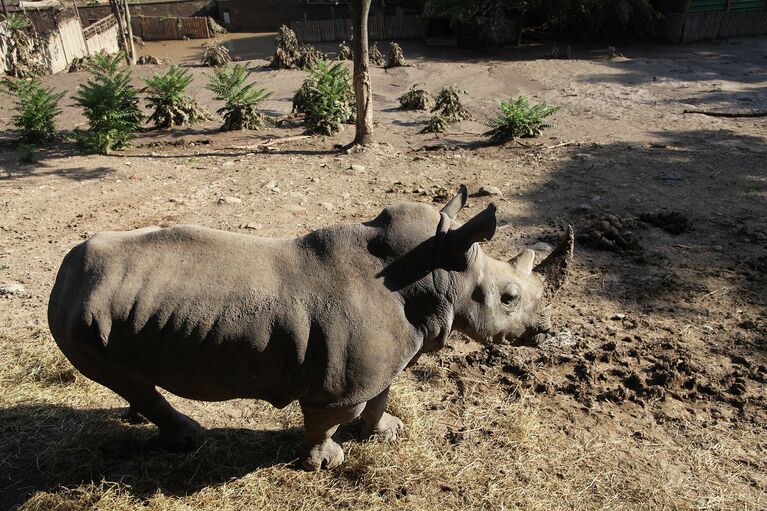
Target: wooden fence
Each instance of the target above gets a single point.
(701, 26)
(161, 28)
(380, 28)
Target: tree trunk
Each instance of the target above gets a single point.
(129, 35)
(364, 99)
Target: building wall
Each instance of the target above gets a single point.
(172, 8)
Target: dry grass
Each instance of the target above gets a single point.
(469, 444)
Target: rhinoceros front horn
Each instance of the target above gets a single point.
(554, 269)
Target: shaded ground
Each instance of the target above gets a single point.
(650, 396)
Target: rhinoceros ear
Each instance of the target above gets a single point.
(523, 262)
(457, 203)
(554, 269)
(479, 228)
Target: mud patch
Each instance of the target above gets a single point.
(672, 222)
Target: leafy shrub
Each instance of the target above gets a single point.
(216, 54)
(344, 52)
(110, 104)
(416, 99)
(241, 101)
(375, 56)
(326, 98)
(286, 51)
(23, 48)
(309, 56)
(436, 124)
(449, 110)
(519, 119)
(36, 109)
(167, 96)
(448, 104)
(396, 56)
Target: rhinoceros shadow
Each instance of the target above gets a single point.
(50, 446)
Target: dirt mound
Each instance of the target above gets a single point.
(609, 232)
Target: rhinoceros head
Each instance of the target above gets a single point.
(497, 300)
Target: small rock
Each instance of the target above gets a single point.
(357, 168)
(328, 206)
(583, 156)
(488, 190)
(541, 246)
(228, 163)
(176, 199)
(671, 176)
(296, 210)
(583, 208)
(618, 317)
(596, 198)
(12, 289)
(229, 200)
(272, 186)
(251, 225)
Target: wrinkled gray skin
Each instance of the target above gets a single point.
(328, 319)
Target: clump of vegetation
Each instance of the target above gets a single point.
(216, 54)
(286, 51)
(448, 104)
(27, 153)
(416, 98)
(241, 101)
(166, 95)
(590, 18)
(436, 124)
(396, 56)
(36, 109)
(449, 110)
(23, 48)
(375, 56)
(345, 52)
(518, 119)
(326, 99)
(309, 56)
(110, 104)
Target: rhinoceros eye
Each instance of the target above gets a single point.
(510, 297)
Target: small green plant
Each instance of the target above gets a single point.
(517, 119)
(216, 54)
(416, 99)
(36, 109)
(27, 153)
(166, 95)
(110, 104)
(326, 98)
(240, 110)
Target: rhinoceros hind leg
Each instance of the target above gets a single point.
(318, 450)
(377, 423)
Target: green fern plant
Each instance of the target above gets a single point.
(166, 96)
(326, 99)
(36, 109)
(241, 101)
(518, 119)
(110, 104)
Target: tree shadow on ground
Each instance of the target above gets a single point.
(49, 446)
(716, 181)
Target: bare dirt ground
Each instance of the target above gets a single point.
(651, 395)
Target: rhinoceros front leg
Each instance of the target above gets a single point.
(318, 450)
(376, 422)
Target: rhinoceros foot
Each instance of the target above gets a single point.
(132, 416)
(327, 454)
(387, 428)
(186, 435)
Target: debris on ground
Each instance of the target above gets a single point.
(375, 56)
(396, 56)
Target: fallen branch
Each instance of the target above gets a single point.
(273, 142)
(726, 114)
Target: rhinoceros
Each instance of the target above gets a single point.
(328, 319)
